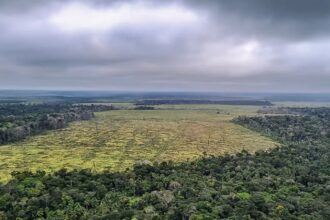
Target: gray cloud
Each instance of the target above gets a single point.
(245, 45)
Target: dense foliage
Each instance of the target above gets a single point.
(290, 182)
(302, 124)
(143, 107)
(18, 121)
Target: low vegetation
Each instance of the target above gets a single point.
(116, 140)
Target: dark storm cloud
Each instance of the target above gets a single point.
(245, 45)
(282, 19)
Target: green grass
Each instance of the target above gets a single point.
(116, 140)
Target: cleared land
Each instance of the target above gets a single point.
(115, 140)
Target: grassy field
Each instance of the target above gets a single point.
(116, 140)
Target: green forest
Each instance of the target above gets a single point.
(288, 182)
(20, 121)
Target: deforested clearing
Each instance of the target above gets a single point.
(115, 140)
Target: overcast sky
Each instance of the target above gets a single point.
(219, 45)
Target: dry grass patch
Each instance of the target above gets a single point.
(115, 140)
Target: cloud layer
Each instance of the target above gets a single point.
(219, 45)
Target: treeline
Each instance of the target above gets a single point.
(188, 101)
(8, 101)
(291, 182)
(320, 111)
(143, 107)
(20, 121)
(306, 124)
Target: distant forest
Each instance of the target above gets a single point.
(18, 121)
(188, 101)
(299, 124)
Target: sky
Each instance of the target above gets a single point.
(209, 45)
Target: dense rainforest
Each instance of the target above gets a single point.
(296, 125)
(18, 121)
(288, 182)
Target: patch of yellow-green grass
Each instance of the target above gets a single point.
(116, 140)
